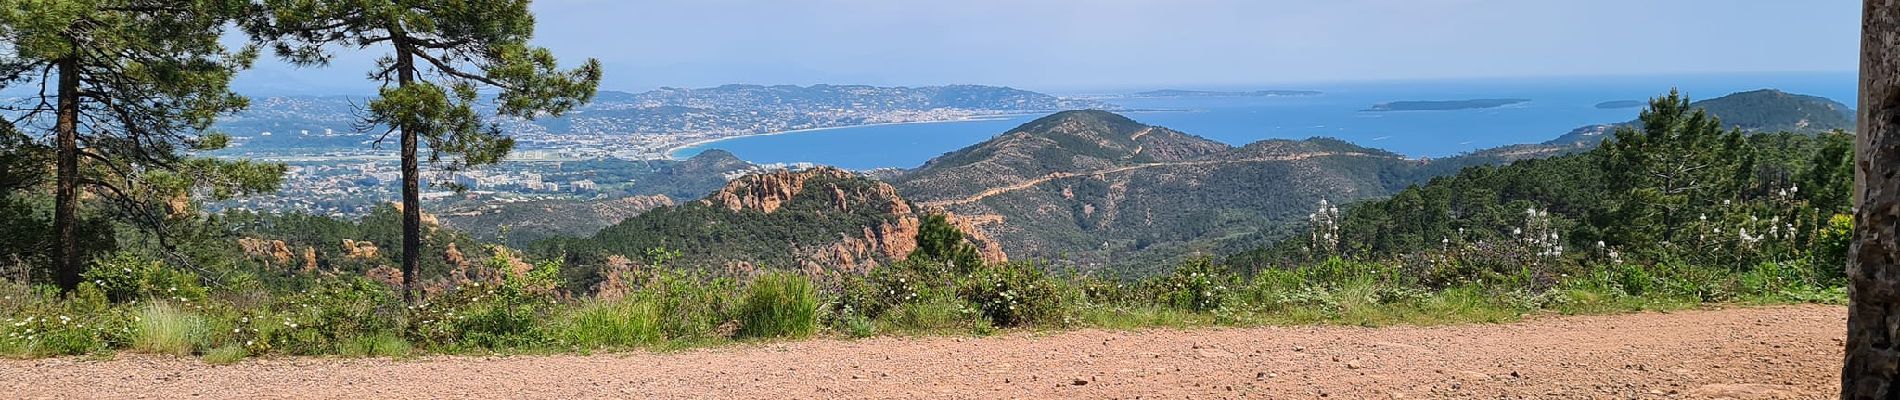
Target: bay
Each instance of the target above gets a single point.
(1557, 105)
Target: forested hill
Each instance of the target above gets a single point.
(820, 219)
(1096, 189)
(1765, 110)
(1696, 192)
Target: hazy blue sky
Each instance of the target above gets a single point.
(1079, 44)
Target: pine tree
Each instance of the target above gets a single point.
(124, 87)
(1678, 160)
(938, 240)
(443, 53)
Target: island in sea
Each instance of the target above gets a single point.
(1212, 93)
(1443, 105)
(1616, 104)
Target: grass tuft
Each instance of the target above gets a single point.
(779, 305)
(164, 329)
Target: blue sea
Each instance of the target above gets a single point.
(1556, 106)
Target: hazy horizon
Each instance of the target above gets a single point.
(1061, 47)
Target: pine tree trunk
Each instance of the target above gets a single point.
(411, 181)
(66, 260)
(1873, 317)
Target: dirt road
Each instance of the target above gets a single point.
(1743, 353)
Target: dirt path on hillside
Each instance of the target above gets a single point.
(1064, 175)
(1743, 353)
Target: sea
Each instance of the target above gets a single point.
(1556, 105)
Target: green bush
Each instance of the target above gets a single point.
(779, 305)
(1014, 294)
(39, 322)
(125, 276)
(892, 286)
(1196, 285)
(491, 316)
(323, 318)
(690, 306)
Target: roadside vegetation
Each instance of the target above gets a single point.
(1671, 213)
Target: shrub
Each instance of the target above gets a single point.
(1014, 294)
(1197, 285)
(492, 316)
(330, 314)
(689, 305)
(125, 276)
(1830, 257)
(857, 326)
(40, 323)
(892, 286)
(779, 305)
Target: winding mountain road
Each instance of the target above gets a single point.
(1063, 175)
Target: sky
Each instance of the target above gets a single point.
(1081, 45)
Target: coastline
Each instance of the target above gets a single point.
(672, 153)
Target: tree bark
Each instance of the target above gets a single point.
(411, 181)
(1872, 361)
(66, 257)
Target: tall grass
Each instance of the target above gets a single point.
(619, 324)
(165, 329)
(779, 305)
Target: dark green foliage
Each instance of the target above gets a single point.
(128, 277)
(124, 89)
(939, 241)
(1679, 190)
(328, 316)
(465, 46)
(711, 236)
(1197, 285)
(1015, 294)
(778, 305)
(1679, 163)
(491, 317)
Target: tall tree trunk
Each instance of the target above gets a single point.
(411, 182)
(1873, 331)
(67, 263)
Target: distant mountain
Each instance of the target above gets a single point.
(1210, 93)
(1098, 189)
(677, 115)
(1766, 110)
(1443, 105)
(816, 219)
(1770, 110)
(1615, 104)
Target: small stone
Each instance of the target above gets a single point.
(1079, 382)
(1353, 365)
